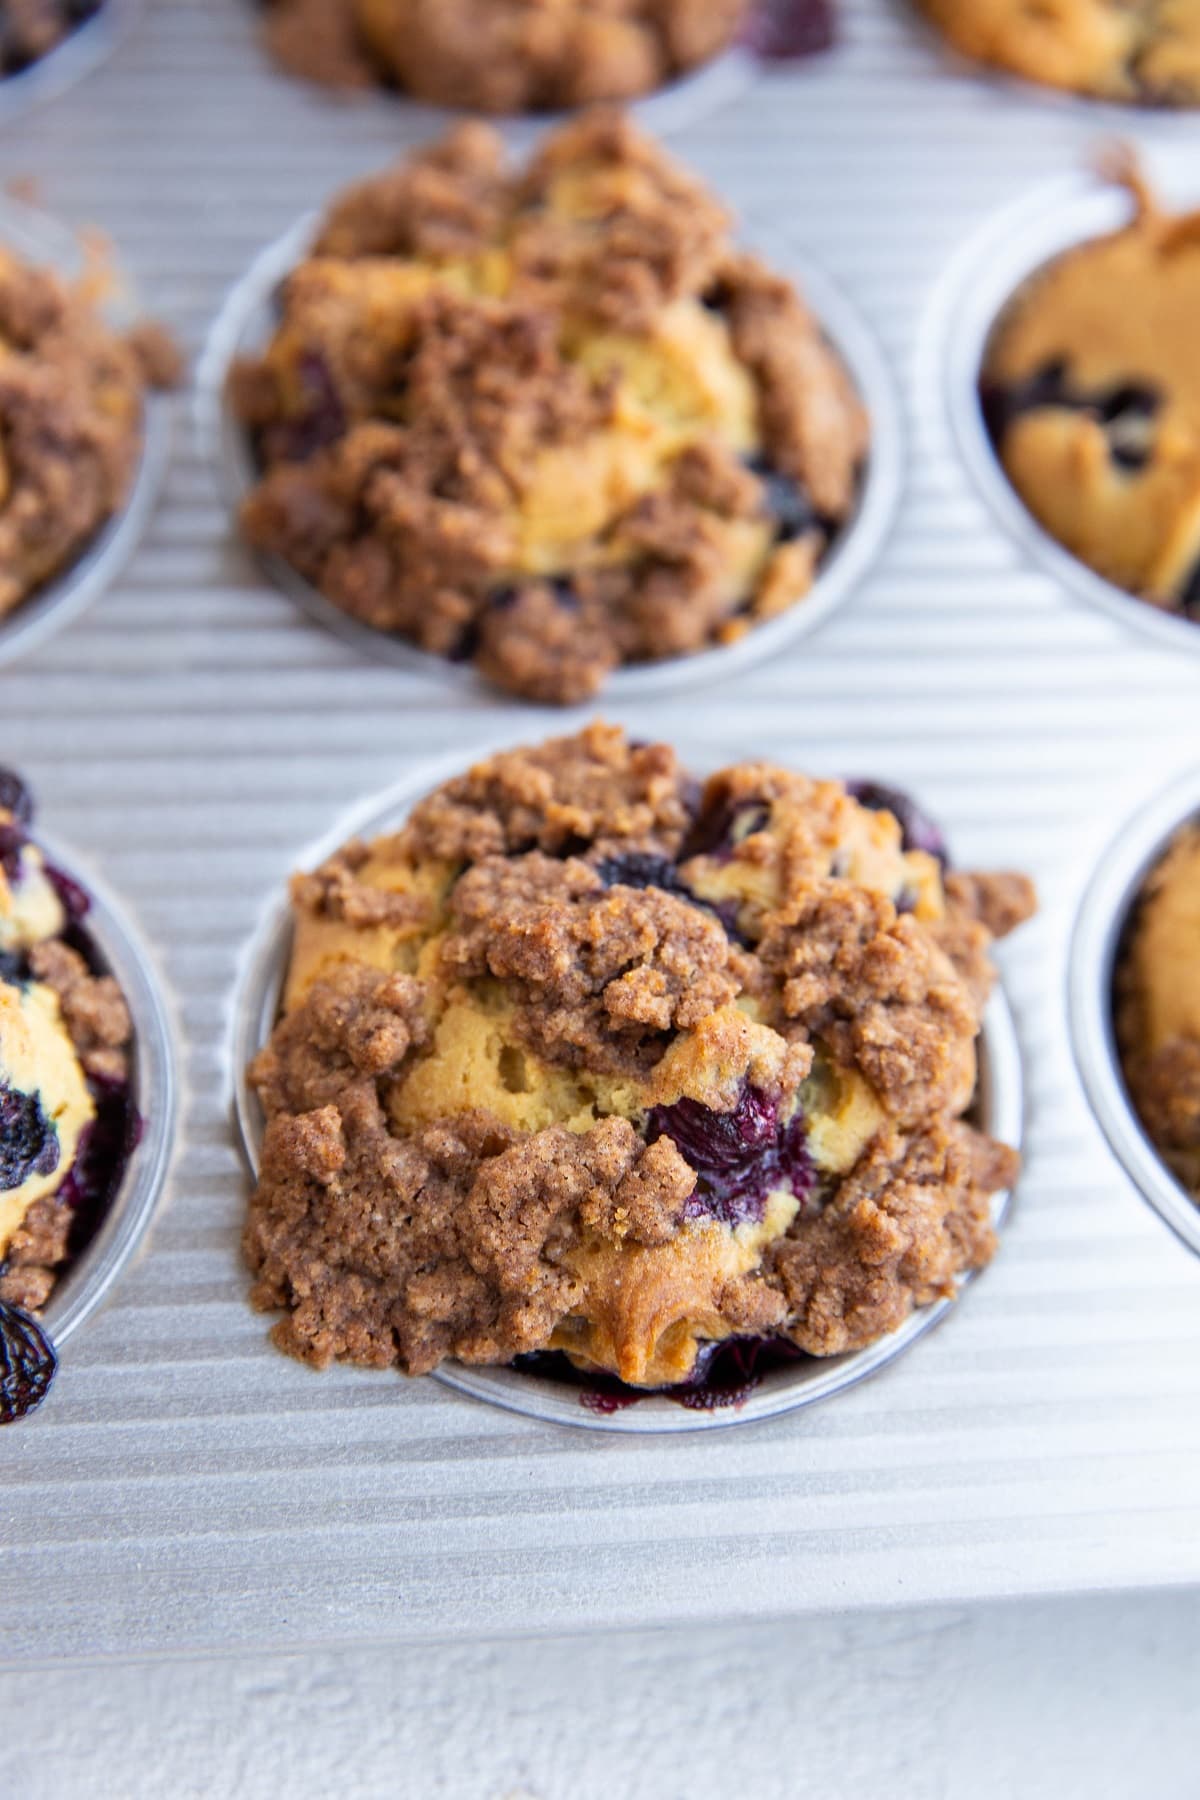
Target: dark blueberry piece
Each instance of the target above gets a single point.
(467, 647)
(321, 420)
(76, 900)
(12, 842)
(1189, 599)
(1126, 411)
(642, 869)
(28, 1139)
(502, 599)
(566, 594)
(739, 1156)
(786, 502)
(718, 832)
(104, 1149)
(1133, 400)
(15, 797)
(13, 968)
(27, 1363)
(782, 29)
(918, 831)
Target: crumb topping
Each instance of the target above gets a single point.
(501, 56)
(549, 420)
(652, 1065)
(71, 404)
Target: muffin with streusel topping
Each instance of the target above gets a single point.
(589, 1057)
(502, 56)
(551, 421)
(72, 399)
(67, 1116)
(1091, 392)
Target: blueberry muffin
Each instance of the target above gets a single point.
(590, 1058)
(1158, 1007)
(30, 29)
(502, 56)
(67, 1116)
(550, 421)
(1091, 392)
(72, 395)
(1146, 51)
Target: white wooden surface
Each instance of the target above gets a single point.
(1058, 1700)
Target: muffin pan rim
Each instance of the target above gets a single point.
(87, 1280)
(84, 50)
(983, 276)
(254, 1006)
(1099, 926)
(222, 444)
(40, 238)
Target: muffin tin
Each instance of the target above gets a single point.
(244, 327)
(187, 1487)
(1099, 930)
(998, 1112)
(42, 240)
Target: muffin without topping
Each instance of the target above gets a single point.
(1158, 1007)
(1091, 391)
(551, 421)
(592, 1059)
(1147, 51)
(502, 56)
(72, 394)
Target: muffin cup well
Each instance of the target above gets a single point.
(40, 239)
(982, 279)
(79, 53)
(1096, 946)
(87, 1279)
(244, 325)
(999, 1111)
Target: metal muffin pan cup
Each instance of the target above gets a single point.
(986, 274)
(1099, 931)
(154, 1085)
(39, 239)
(999, 1110)
(78, 54)
(244, 325)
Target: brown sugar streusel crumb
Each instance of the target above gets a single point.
(502, 56)
(590, 1057)
(551, 421)
(72, 393)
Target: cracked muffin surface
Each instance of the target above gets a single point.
(551, 420)
(1144, 51)
(1158, 1007)
(502, 56)
(1091, 392)
(67, 1119)
(593, 1058)
(72, 394)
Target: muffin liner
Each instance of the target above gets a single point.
(983, 278)
(998, 1110)
(244, 326)
(74, 58)
(87, 1280)
(41, 239)
(1096, 945)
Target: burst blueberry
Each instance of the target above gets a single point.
(740, 1157)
